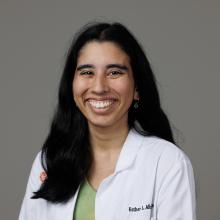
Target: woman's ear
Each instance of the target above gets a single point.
(136, 94)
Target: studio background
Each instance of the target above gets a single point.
(181, 40)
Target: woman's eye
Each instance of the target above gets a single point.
(115, 74)
(88, 73)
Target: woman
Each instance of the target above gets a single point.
(110, 153)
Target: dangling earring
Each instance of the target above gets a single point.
(136, 100)
(136, 104)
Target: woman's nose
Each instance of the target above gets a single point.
(100, 84)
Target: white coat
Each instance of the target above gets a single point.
(153, 180)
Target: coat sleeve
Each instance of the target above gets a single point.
(176, 196)
(30, 207)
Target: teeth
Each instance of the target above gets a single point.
(100, 104)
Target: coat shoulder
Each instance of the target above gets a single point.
(163, 152)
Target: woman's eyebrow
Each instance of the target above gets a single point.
(84, 66)
(113, 65)
(116, 65)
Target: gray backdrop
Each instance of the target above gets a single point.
(181, 39)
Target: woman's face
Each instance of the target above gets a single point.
(103, 84)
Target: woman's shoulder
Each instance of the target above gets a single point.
(162, 152)
(37, 163)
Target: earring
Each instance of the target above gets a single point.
(136, 104)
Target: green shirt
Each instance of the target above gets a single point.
(85, 203)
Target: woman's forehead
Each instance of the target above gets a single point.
(106, 52)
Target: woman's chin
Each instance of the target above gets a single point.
(108, 122)
(100, 124)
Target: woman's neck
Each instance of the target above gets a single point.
(106, 144)
(107, 140)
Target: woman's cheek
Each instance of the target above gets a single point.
(124, 87)
(79, 86)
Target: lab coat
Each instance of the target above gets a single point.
(153, 180)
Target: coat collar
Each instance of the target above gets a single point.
(129, 150)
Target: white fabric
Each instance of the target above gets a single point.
(153, 180)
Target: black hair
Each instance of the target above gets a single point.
(66, 153)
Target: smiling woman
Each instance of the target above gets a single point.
(103, 85)
(110, 152)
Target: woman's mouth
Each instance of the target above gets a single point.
(101, 104)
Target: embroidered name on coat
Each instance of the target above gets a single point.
(143, 207)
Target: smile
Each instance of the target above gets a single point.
(100, 104)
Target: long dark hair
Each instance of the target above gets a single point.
(66, 153)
